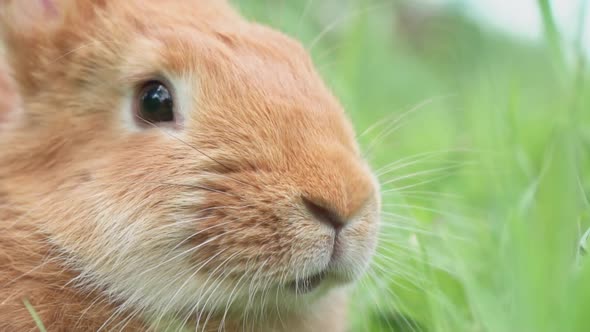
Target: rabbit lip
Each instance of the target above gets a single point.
(307, 284)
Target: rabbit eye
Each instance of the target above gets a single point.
(155, 103)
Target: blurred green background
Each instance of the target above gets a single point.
(481, 141)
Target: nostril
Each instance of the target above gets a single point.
(323, 214)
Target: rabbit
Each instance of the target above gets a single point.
(170, 165)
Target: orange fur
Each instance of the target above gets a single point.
(105, 223)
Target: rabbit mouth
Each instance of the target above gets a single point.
(307, 284)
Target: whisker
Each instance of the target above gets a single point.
(304, 12)
(418, 158)
(392, 127)
(343, 19)
(421, 173)
(219, 280)
(197, 150)
(399, 190)
(188, 279)
(230, 300)
(395, 301)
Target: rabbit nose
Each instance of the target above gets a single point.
(324, 214)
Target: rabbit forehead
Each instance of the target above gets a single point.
(240, 78)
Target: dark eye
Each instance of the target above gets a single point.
(155, 103)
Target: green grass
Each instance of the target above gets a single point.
(34, 315)
(488, 142)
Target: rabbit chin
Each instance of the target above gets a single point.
(204, 295)
(231, 298)
(293, 295)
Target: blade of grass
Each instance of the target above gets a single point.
(551, 31)
(35, 316)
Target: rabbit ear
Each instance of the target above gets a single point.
(23, 22)
(28, 16)
(26, 28)
(8, 96)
